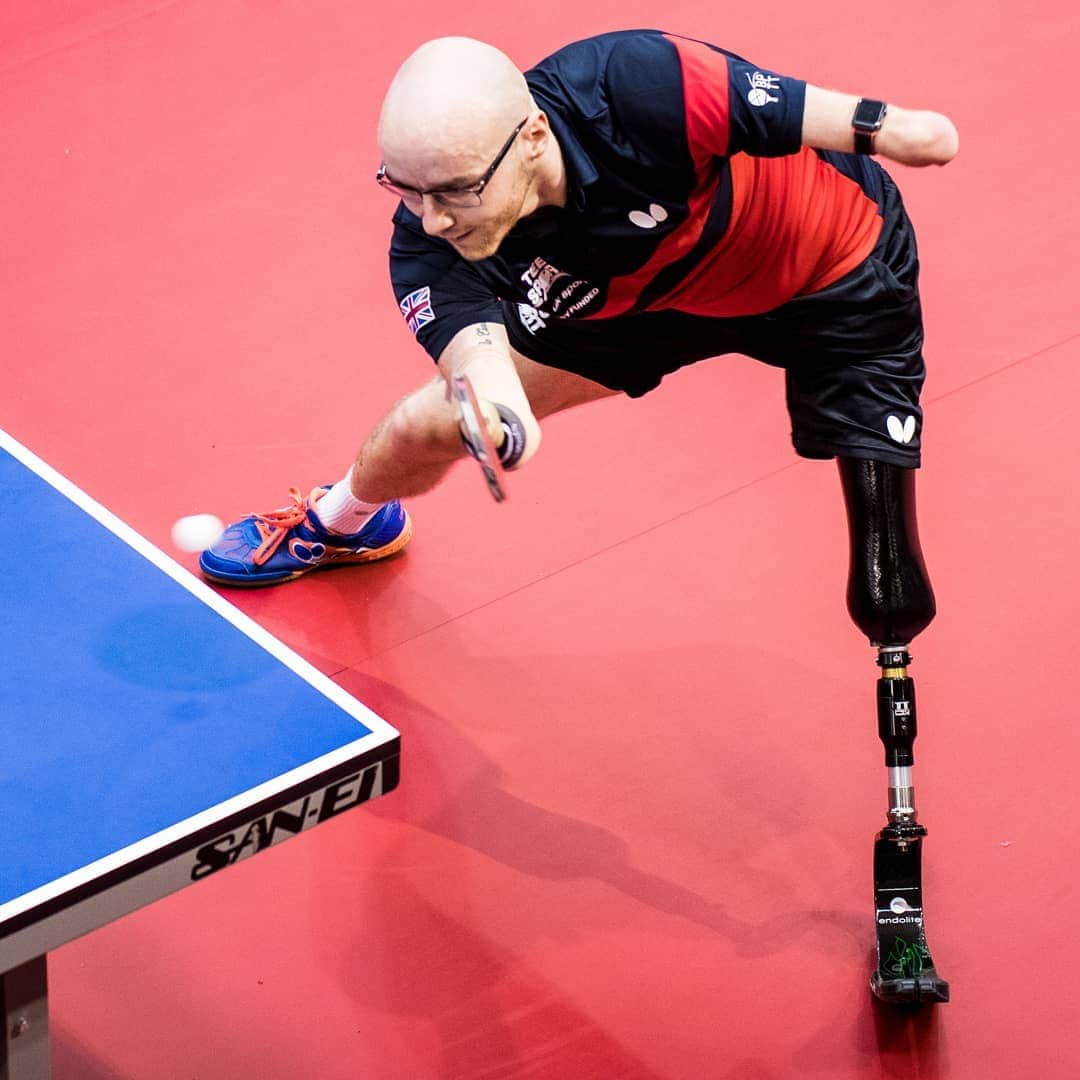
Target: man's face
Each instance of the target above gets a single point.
(475, 231)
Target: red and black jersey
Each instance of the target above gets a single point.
(688, 190)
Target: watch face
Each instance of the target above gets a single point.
(868, 115)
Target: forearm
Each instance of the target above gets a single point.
(482, 352)
(908, 136)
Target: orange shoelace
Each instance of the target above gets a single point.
(274, 524)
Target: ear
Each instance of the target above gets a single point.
(536, 135)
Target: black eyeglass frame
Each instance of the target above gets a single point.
(475, 190)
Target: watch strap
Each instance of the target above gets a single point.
(864, 142)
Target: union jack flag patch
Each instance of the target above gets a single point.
(417, 309)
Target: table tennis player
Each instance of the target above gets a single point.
(634, 203)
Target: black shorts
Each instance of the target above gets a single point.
(852, 352)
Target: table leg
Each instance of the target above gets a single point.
(24, 1005)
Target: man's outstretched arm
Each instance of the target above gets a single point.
(909, 136)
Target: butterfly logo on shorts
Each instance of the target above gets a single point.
(901, 431)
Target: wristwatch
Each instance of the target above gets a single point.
(867, 122)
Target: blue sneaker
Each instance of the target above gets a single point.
(280, 545)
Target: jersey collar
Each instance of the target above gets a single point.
(581, 172)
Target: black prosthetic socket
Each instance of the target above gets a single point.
(889, 595)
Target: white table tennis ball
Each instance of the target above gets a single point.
(197, 532)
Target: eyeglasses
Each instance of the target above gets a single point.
(449, 196)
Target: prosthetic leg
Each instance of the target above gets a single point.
(890, 600)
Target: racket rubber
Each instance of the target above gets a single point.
(478, 436)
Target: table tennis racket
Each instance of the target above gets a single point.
(478, 436)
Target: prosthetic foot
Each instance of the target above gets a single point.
(889, 598)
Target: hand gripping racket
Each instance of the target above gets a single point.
(477, 437)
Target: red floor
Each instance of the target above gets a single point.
(641, 773)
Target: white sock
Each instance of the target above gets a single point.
(340, 511)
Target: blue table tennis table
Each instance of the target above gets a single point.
(150, 736)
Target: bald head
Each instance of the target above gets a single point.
(450, 106)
